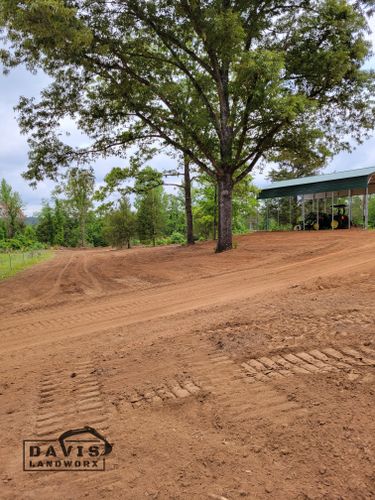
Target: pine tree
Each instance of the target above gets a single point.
(59, 223)
(150, 215)
(11, 209)
(45, 229)
(78, 186)
(120, 225)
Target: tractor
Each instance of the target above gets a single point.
(340, 220)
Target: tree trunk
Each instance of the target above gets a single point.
(225, 188)
(83, 231)
(188, 207)
(215, 212)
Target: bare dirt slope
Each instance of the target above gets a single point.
(246, 374)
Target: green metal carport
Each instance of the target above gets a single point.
(328, 186)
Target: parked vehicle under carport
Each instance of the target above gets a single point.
(339, 221)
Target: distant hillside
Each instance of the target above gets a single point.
(31, 221)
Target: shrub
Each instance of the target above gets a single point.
(21, 242)
(177, 237)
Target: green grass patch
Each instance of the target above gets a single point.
(14, 262)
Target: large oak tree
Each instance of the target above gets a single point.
(228, 83)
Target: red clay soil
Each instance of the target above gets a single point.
(248, 374)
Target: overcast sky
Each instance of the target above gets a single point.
(13, 146)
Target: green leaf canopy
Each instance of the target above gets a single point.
(228, 83)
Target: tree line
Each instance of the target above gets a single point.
(78, 215)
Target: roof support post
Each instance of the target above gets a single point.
(317, 212)
(290, 211)
(366, 208)
(332, 203)
(350, 209)
(303, 212)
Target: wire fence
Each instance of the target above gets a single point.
(14, 261)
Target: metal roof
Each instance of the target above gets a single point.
(336, 181)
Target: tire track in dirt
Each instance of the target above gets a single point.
(206, 373)
(70, 399)
(226, 383)
(169, 391)
(149, 304)
(96, 288)
(244, 392)
(54, 290)
(315, 361)
(241, 401)
(57, 283)
(236, 274)
(176, 298)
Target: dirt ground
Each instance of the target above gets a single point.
(248, 374)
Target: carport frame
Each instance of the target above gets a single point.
(346, 183)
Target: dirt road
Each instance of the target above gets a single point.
(246, 374)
